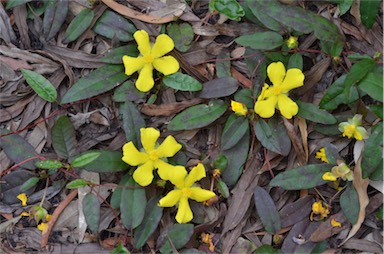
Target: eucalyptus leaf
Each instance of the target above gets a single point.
(40, 85)
(267, 211)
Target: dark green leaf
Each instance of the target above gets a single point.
(91, 210)
(178, 235)
(78, 25)
(377, 110)
(120, 249)
(40, 85)
(152, 217)
(223, 188)
(312, 112)
(331, 153)
(29, 184)
(107, 161)
(127, 91)
(78, 183)
(116, 196)
(220, 87)
(49, 164)
(295, 61)
(14, 3)
(221, 162)
(305, 177)
(54, 17)
(261, 40)
(267, 211)
(233, 133)
(64, 138)
(198, 116)
(344, 6)
(223, 64)
(349, 202)
(230, 8)
(328, 33)
(182, 82)
(296, 211)
(182, 35)
(368, 11)
(273, 135)
(262, 17)
(132, 121)
(266, 249)
(245, 96)
(372, 84)
(115, 55)
(372, 157)
(85, 159)
(97, 82)
(111, 25)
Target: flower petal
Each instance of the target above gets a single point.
(361, 133)
(328, 176)
(169, 147)
(266, 108)
(342, 126)
(163, 45)
(200, 194)
(133, 64)
(176, 174)
(293, 79)
(171, 198)
(184, 213)
(195, 175)
(356, 120)
(166, 65)
(287, 107)
(149, 136)
(145, 81)
(143, 175)
(143, 43)
(132, 156)
(23, 198)
(276, 73)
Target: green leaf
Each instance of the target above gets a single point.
(344, 6)
(233, 133)
(91, 210)
(245, 96)
(273, 135)
(182, 82)
(221, 162)
(54, 18)
(152, 217)
(178, 235)
(40, 85)
(115, 55)
(328, 33)
(312, 112)
(223, 64)
(372, 84)
(261, 40)
(266, 249)
(127, 91)
(97, 82)
(368, 11)
(305, 177)
(262, 17)
(349, 202)
(78, 183)
(107, 161)
(295, 61)
(112, 25)
(78, 25)
(377, 110)
(49, 164)
(116, 196)
(372, 158)
(182, 35)
(198, 116)
(132, 205)
(267, 211)
(132, 121)
(64, 138)
(120, 249)
(223, 188)
(14, 3)
(220, 87)
(85, 159)
(29, 183)
(230, 8)
(331, 153)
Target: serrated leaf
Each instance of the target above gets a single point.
(78, 183)
(64, 138)
(349, 202)
(372, 158)
(111, 25)
(220, 87)
(49, 164)
(182, 35)
(372, 84)
(85, 159)
(107, 161)
(312, 112)
(78, 25)
(178, 235)
(198, 116)
(14, 3)
(234, 132)
(267, 211)
(182, 82)
(305, 177)
(40, 85)
(152, 217)
(29, 183)
(54, 18)
(91, 210)
(368, 11)
(132, 121)
(261, 40)
(132, 204)
(97, 82)
(115, 55)
(273, 136)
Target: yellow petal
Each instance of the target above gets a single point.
(42, 226)
(184, 213)
(239, 108)
(287, 107)
(328, 176)
(149, 136)
(132, 156)
(176, 174)
(360, 133)
(293, 79)
(163, 45)
(195, 175)
(133, 64)
(343, 126)
(169, 147)
(266, 108)
(276, 73)
(166, 65)
(24, 214)
(143, 175)
(143, 43)
(145, 81)
(170, 199)
(335, 223)
(198, 194)
(23, 198)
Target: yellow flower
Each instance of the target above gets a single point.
(322, 156)
(184, 190)
(48, 217)
(42, 226)
(353, 128)
(23, 198)
(335, 223)
(341, 170)
(208, 239)
(24, 214)
(292, 42)
(275, 97)
(318, 208)
(150, 57)
(152, 157)
(239, 108)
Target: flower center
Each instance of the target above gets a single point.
(276, 90)
(153, 155)
(148, 58)
(186, 192)
(349, 130)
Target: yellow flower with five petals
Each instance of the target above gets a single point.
(152, 157)
(353, 128)
(184, 190)
(275, 97)
(151, 57)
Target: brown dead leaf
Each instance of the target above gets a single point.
(355, 11)
(14, 110)
(326, 230)
(15, 64)
(304, 135)
(363, 245)
(296, 142)
(20, 13)
(7, 33)
(241, 78)
(169, 108)
(352, 30)
(314, 75)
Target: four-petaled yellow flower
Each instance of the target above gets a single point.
(239, 108)
(318, 208)
(150, 57)
(152, 157)
(23, 198)
(321, 155)
(275, 97)
(184, 190)
(292, 42)
(341, 170)
(353, 128)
